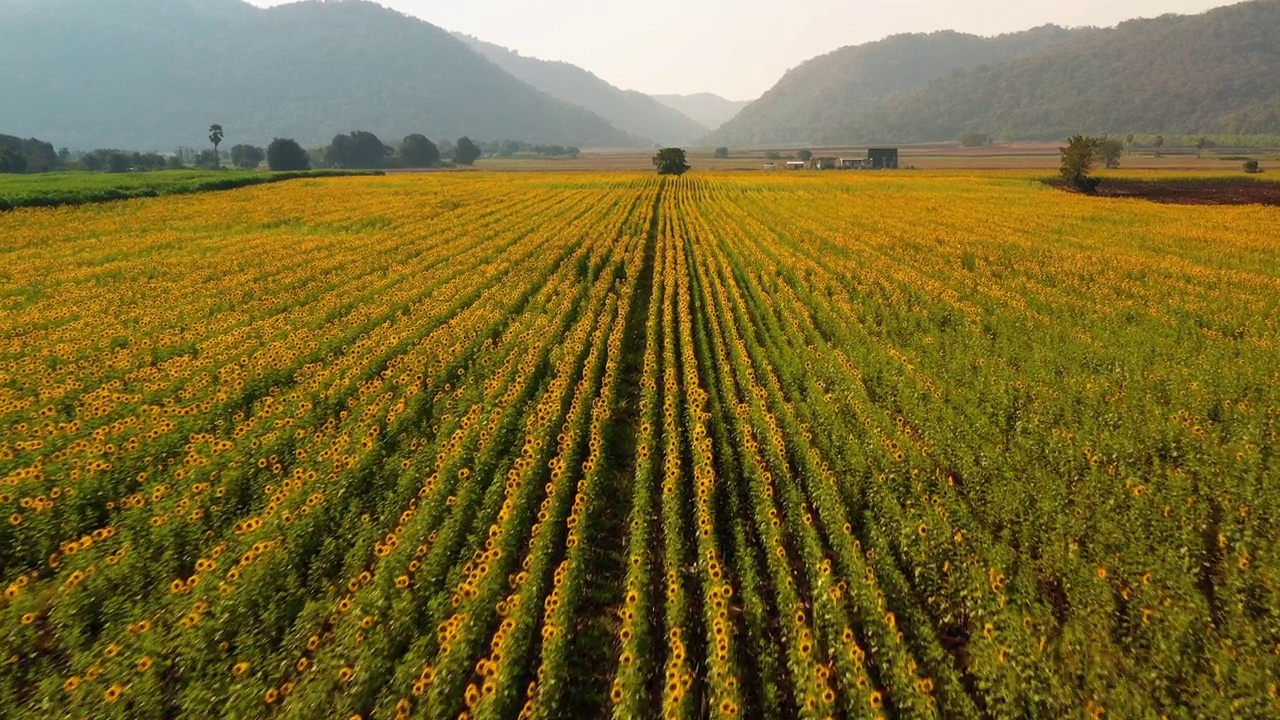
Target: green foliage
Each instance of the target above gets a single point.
(81, 188)
(671, 161)
(722, 152)
(247, 157)
(973, 139)
(121, 161)
(167, 69)
(285, 154)
(465, 151)
(12, 162)
(1078, 158)
(31, 154)
(516, 148)
(804, 155)
(205, 160)
(1251, 166)
(416, 151)
(773, 155)
(358, 149)
(215, 137)
(1110, 150)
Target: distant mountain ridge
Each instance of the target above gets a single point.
(1213, 73)
(628, 110)
(154, 74)
(707, 108)
(1216, 72)
(815, 100)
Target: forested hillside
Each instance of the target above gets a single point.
(815, 100)
(1216, 73)
(154, 74)
(627, 110)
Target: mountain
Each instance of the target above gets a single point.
(1213, 73)
(627, 110)
(709, 109)
(154, 74)
(814, 101)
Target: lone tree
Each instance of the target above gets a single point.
(1159, 143)
(247, 157)
(722, 152)
(215, 137)
(671, 161)
(1251, 167)
(466, 152)
(973, 138)
(1110, 150)
(416, 151)
(1077, 160)
(805, 155)
(287, 154)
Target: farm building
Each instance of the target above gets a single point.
(823, 163)
(883, 158)
(795, 164)
(876, 159)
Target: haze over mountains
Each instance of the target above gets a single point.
(153, 74)
(707, 108)
(148, 74)
(628, 110)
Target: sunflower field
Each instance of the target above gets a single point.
(916, 445)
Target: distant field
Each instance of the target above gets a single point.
(577, 445)
(77, 188)
(1027, 156)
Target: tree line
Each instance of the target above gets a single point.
(359, 149)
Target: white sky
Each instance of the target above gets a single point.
(739, 48)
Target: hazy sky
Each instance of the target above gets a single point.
(739, 48)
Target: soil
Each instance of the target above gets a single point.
(1187, 192)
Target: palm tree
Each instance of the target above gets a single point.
(215, 137)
